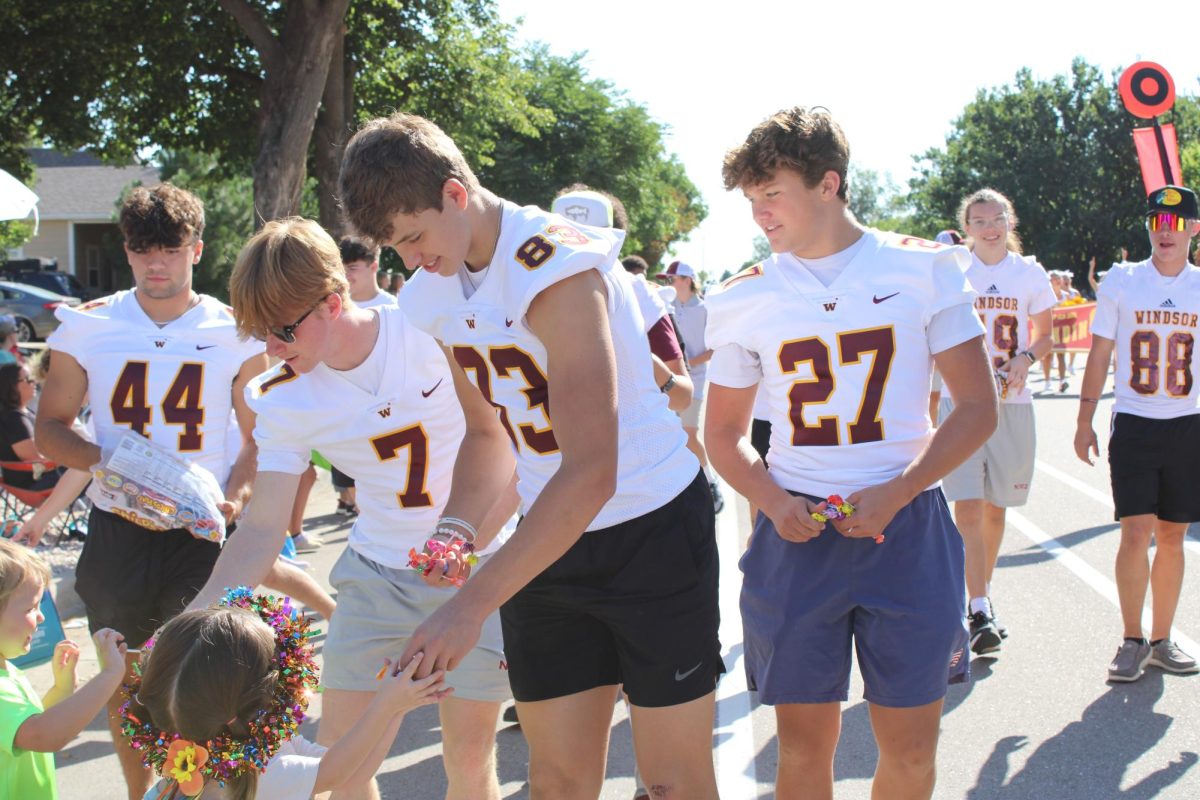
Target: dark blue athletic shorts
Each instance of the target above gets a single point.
(901, 604)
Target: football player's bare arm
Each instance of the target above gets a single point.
(1017, 367)
(679, 396)
(726, 422)
(571, 320)
(62, 397)
(967, 373)
(703, 358)
(485, 464)
(1094, 376)
(241, 476)
(247, 556)
(501, 512)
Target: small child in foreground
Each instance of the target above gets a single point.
(222, 692)
(32, 729)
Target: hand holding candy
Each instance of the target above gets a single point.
(838, 508)
(444, 561)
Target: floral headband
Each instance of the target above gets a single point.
(225, 756)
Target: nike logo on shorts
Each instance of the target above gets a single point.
(877, 299)
(680, 676)
(434, 389)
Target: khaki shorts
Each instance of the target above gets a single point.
(690, 416)
(378, 608)
(999, 472)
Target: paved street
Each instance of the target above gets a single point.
(1038, 722)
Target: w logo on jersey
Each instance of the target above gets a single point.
(1166, 304)
(384, 413)
(830, 306)
(471, 323)
(159, 343)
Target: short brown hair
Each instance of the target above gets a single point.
(635, 264)
(17, 565)
(286, 268)
(353, 249)
(165, 216)
(806, 141)
(397, 165)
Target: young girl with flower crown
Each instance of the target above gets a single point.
(220, 697)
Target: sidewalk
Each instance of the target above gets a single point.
(88, 767)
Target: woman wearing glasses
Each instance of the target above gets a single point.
(1147, 314)
(1013, 291)
(16, 430)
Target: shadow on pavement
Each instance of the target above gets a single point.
(1088, 758)
(1035, 554)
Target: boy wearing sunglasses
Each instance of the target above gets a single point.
(1148, 312)
(166, 362)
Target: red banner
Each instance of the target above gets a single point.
(1150, 157)
(1071, 327)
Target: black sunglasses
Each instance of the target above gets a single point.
(287, 334)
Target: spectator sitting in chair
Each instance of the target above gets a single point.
(16, 429)
(9, 354)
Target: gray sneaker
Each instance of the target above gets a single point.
(1167, 655)
(1129, 662)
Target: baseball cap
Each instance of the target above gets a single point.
(681, 269)
(585, 207)
(1173, 200)
(7, 325)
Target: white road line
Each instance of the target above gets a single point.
(734, 756)
(1096, 494)
(1103, 586)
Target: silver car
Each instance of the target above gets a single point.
(33, 309)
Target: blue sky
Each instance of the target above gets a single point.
(894, 75)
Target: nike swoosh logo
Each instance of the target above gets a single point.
(508, 322)
(679, 677)
(879, 299)
(205, 347)
(431, 391)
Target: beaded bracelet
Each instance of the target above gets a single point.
(467, 528)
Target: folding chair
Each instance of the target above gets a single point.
(20, 503)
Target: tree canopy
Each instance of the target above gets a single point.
(1062, 151)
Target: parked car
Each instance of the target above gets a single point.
(33, 308)
(49, 279)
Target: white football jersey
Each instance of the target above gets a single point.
(173, 384)
(846, 368)
(1008, 293)
(1152, 320)
(381, 298)
(399, 443)
(507, 362)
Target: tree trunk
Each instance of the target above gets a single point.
(332, 131)
(296, 63)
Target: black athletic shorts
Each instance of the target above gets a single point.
(133, 580)
(760, 437)
(634, 604)
(1153, 467)
(340, 479)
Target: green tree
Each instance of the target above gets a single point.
(877, 200)
(1061, 150)
(595, 136)
(761, 252)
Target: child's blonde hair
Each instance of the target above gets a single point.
(211, 670)
(18, 564)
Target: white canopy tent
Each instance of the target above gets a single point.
(17, 201)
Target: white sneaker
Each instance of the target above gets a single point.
(306, 542)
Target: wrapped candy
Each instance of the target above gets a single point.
(439, 550)
(837, 508)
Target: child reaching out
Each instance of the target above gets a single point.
(33, 728)
(213, 678)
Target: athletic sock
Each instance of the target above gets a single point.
(981, 604)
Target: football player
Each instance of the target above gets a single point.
(1147, 314)
(611, 577)
(1013, 291)
(841, 326)
(166, 362)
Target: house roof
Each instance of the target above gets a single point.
(79, 187)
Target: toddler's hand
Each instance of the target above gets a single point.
(66, 659)
(110, 650)
(402, 693)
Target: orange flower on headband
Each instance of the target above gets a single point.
(184, 760)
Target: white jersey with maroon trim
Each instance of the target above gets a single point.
(172, 384)
(501, 355)
(398, 443)
(1152, 320)
(1009, 293)
(846, 368)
